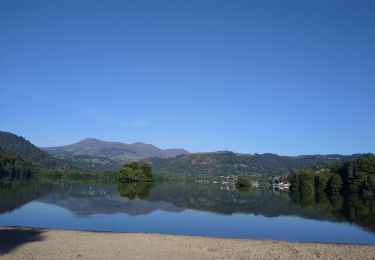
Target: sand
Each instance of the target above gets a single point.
(29, 243)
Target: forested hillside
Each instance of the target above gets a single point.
(229, 163)
(353, 176)
(21, 147)
(88, 162)
(185, 166)
(14, 167)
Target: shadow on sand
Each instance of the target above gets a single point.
(11, 238)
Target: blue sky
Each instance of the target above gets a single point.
(287, 77)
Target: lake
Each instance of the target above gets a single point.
(190, 209)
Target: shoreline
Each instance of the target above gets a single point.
(44, 243)
(179, 235)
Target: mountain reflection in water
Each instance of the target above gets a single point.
(178, 197)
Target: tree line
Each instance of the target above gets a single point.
(353, 176)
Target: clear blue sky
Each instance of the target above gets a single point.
(287, 77)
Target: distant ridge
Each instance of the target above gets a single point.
(117, 150)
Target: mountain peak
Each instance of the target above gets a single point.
(89, 140)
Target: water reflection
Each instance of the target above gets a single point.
(90, 199)
(14, 196)
(138, 199)
(353, 209)
(135, 190)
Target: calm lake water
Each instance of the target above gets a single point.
(191, 209)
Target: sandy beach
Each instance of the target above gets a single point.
(28, 243)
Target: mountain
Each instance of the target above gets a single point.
(229, 163)
(92, 153)
(21, 147)
(114, 150)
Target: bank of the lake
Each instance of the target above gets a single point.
(28, 243)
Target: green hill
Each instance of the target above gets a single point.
(21, 147)
(229, 163)
(88, 162)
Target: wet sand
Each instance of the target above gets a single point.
(29, 243)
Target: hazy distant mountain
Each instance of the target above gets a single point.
(95, 147)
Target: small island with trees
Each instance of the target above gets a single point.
(135, 180)
(136, 173)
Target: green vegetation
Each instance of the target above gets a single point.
(345, 191)
(321, 181)
(88, 162)
(20, 160)
(356, 176)
(134, 172)
(256, 166)
(21, 147)
(77, 176)
(243, 184)
(14, 168)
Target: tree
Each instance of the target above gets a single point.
(14, 167)
(306, 181)
(147, 169)
(370, 186)
(321, 182)
(294, 182)
(133, 172)
(133, 165)
(335, 183)
(353, 176)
